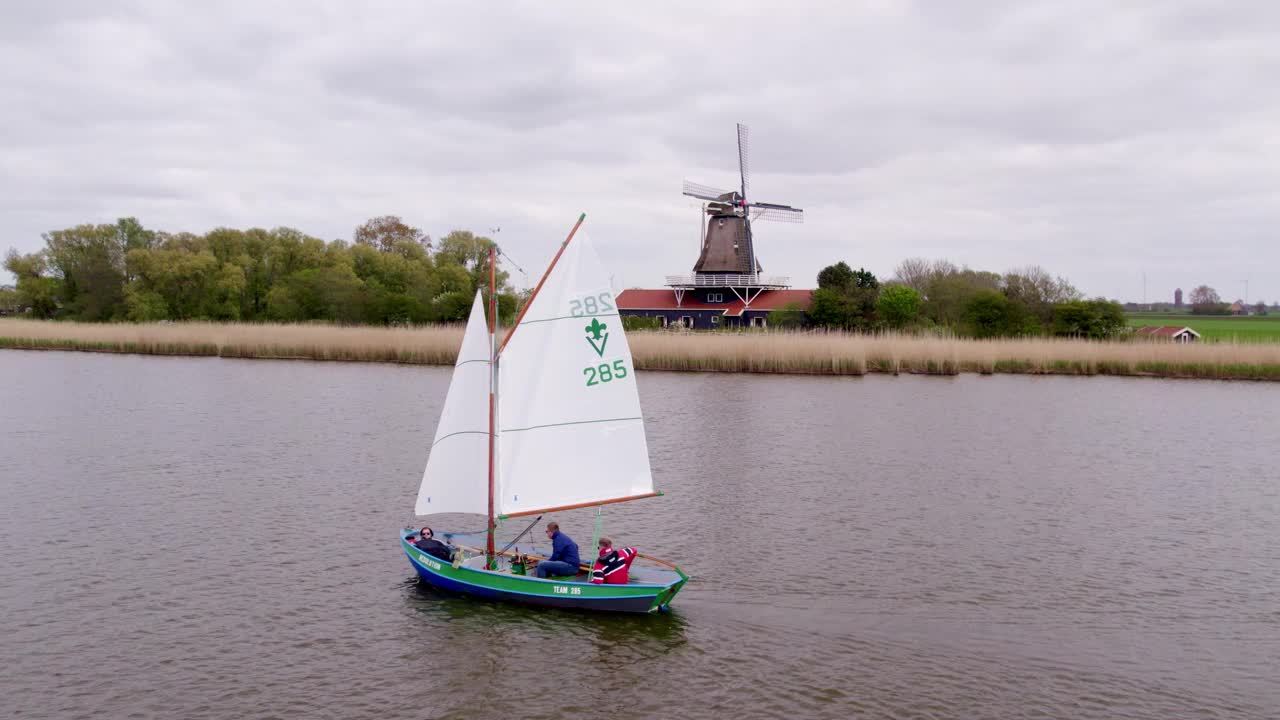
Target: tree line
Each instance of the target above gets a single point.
(390, 272)
(1206, 301)
(938, 294)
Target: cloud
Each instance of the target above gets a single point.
(1100, 141)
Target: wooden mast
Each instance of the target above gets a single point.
(493, 380)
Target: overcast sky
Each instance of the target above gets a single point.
(1101, 140)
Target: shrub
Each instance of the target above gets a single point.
(637, 322)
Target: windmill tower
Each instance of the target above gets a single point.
(728, 261)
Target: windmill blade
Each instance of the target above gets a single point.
(744, 167)
(776, 206)
(704, 192)
(779, 213)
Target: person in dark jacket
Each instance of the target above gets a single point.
(428, 544)
(564, 554)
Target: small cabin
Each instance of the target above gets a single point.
(1173, 333)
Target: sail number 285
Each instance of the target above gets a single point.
(591, 305)
(604, 372)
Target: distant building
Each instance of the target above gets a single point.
(1177, 298)
(1239, 308)
(1168, 332)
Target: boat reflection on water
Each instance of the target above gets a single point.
(522, 654)
(446, 607)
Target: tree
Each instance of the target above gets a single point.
(89, 260)
(182, 281)
(124, 271)
(1038, 291)
(836, 277)
(385, 232)
(1095, 319)
(470, 251)
(849, 297)
(828, 308)
(1260, 308)
(986, 315)
(144, 305)
(898, 306)
(914, 273)
(34, 290)
(9, 300)
(790, 315)
(1204, 300)
(950, 293)
(132, 236)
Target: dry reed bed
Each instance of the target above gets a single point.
(843, 354)
(776, 352)
(433, 345)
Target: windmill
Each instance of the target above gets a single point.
(728, 245)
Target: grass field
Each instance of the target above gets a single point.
(817, 353)
(1258, 328)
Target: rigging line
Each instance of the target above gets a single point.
(511, 260)
(460, 432)
(575, 422)
(569, 317)
(522, 534)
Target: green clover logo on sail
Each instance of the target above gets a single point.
(596, 336)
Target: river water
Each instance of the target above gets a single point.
(208, 538)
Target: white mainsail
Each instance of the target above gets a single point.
(570, 430)
(457, 476)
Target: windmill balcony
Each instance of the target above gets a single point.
(753, 280)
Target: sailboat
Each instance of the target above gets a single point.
(545, 421)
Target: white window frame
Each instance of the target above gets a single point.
(715, 319)
(759, 322)
(715, 297)
(687, 321)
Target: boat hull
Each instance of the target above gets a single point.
(630, 598)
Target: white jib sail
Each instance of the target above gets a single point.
(570, 430)
(457, 476)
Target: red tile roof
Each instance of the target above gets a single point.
(636, 299)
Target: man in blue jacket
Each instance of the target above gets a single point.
(564, 554)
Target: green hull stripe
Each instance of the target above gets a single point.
(576, 422)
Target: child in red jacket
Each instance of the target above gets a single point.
(613, 565)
